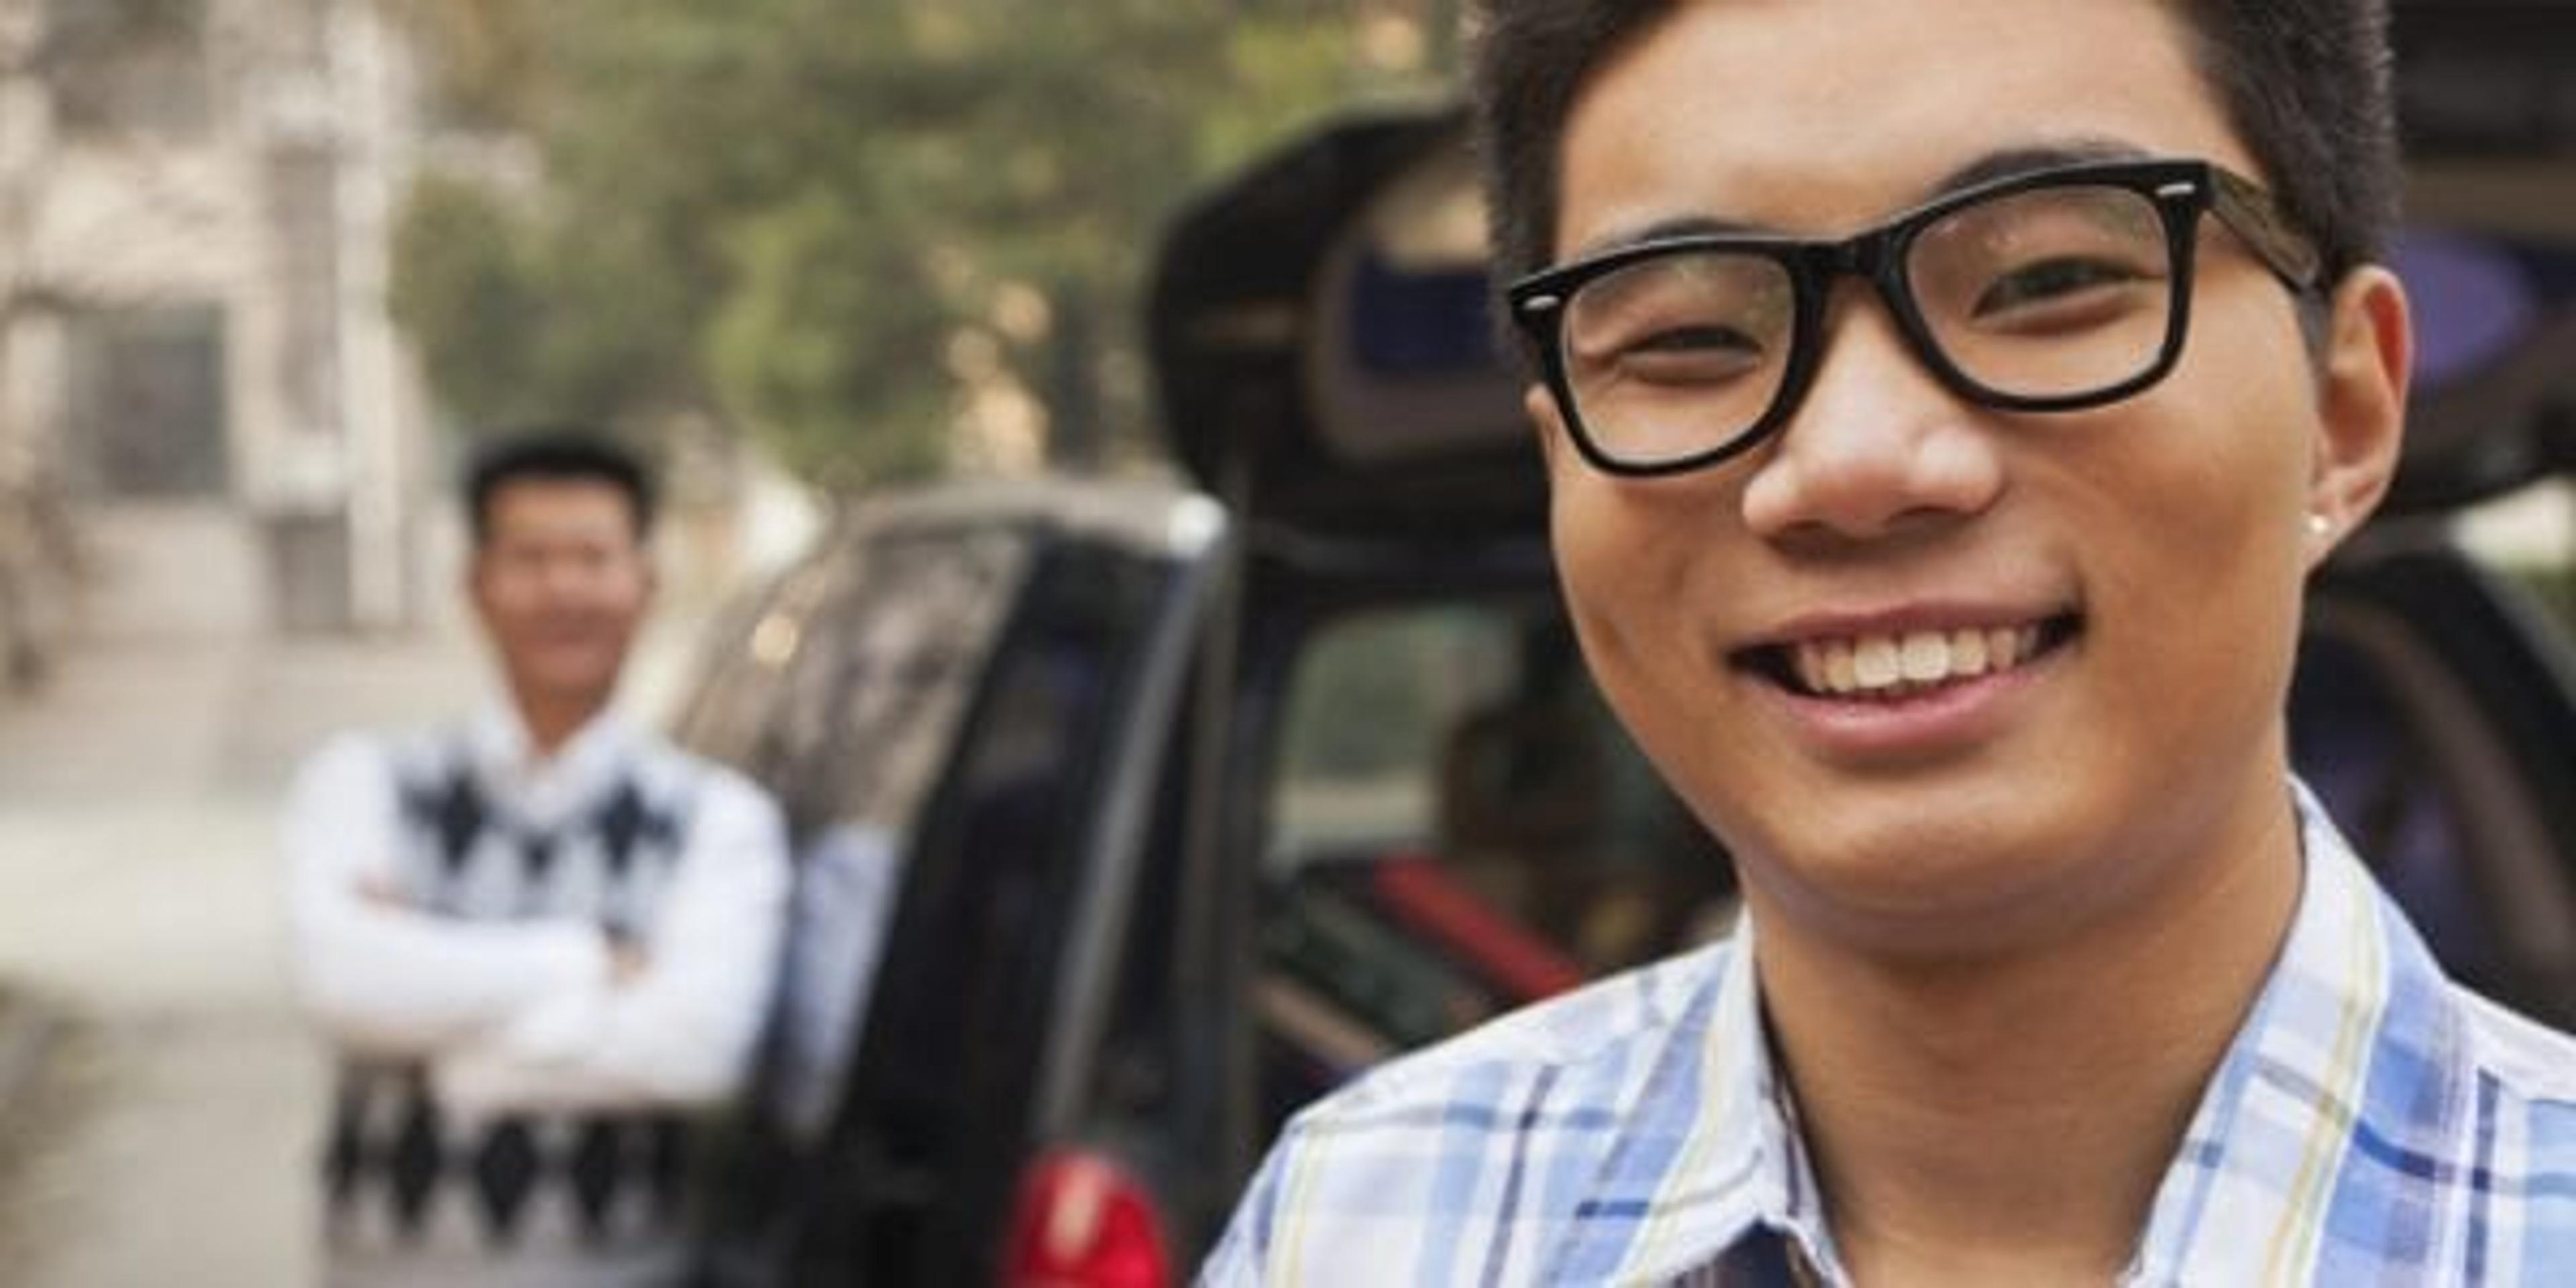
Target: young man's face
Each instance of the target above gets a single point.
(2157, 545)
(561, 581)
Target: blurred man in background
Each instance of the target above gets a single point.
(538, 938)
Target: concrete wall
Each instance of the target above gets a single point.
(275, 215)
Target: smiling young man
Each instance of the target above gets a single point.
(536, 939)
(1943, 407)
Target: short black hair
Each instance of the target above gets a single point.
(555, 453)
(2305, 82)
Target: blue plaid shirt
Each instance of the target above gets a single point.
(2371, 1123)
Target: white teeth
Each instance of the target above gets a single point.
(1811, 668)
(1876, 663)
(1968, 653)
(1896, 665)
(2003, 649)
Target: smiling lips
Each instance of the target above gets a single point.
(1889, 666)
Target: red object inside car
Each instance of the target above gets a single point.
(1434, 905)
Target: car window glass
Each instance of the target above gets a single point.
(745, 667)
(1371, 703)
(873, 645)
(917, 628)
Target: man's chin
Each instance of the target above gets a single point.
(1948, 879)
(566, 681)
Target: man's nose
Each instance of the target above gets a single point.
(1878, 444)
(564, 576)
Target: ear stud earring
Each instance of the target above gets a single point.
(2320, 526)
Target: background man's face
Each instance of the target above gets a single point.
(2157, 544)
(561, 582)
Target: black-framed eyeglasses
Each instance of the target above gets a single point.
(2052, 290)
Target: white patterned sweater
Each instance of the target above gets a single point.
(508, 1109)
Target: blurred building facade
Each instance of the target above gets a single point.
(195, 352)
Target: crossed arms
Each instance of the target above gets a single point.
(537, 1015)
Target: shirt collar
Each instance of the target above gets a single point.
(2245, 1196)
(2354, 1042)
(1710, 1153)
(504, 757)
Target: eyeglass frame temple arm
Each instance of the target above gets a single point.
(2254, 215)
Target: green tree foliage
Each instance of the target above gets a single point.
(468, 298)
(834, 223)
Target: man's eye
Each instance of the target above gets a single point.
(2054, 282)
(1690, 354)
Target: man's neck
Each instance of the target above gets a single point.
(552, 721)
(2009, 1119)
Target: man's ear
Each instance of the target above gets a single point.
(1544, 417)
(2361, 405)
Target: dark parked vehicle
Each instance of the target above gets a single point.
(1187, 801)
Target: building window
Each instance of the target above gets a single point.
(146, 401)
(124, 68)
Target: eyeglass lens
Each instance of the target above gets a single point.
(2046, 293)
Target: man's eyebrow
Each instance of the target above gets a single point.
(1667, 229)
(2023, 160)
(1985, 169)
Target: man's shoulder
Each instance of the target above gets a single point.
(386, 752)
(673, 767)
(1590, 1040)
(2517, 1137)
(1478, 1151)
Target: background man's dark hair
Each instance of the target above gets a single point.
(2305, 82)
(555, 453)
